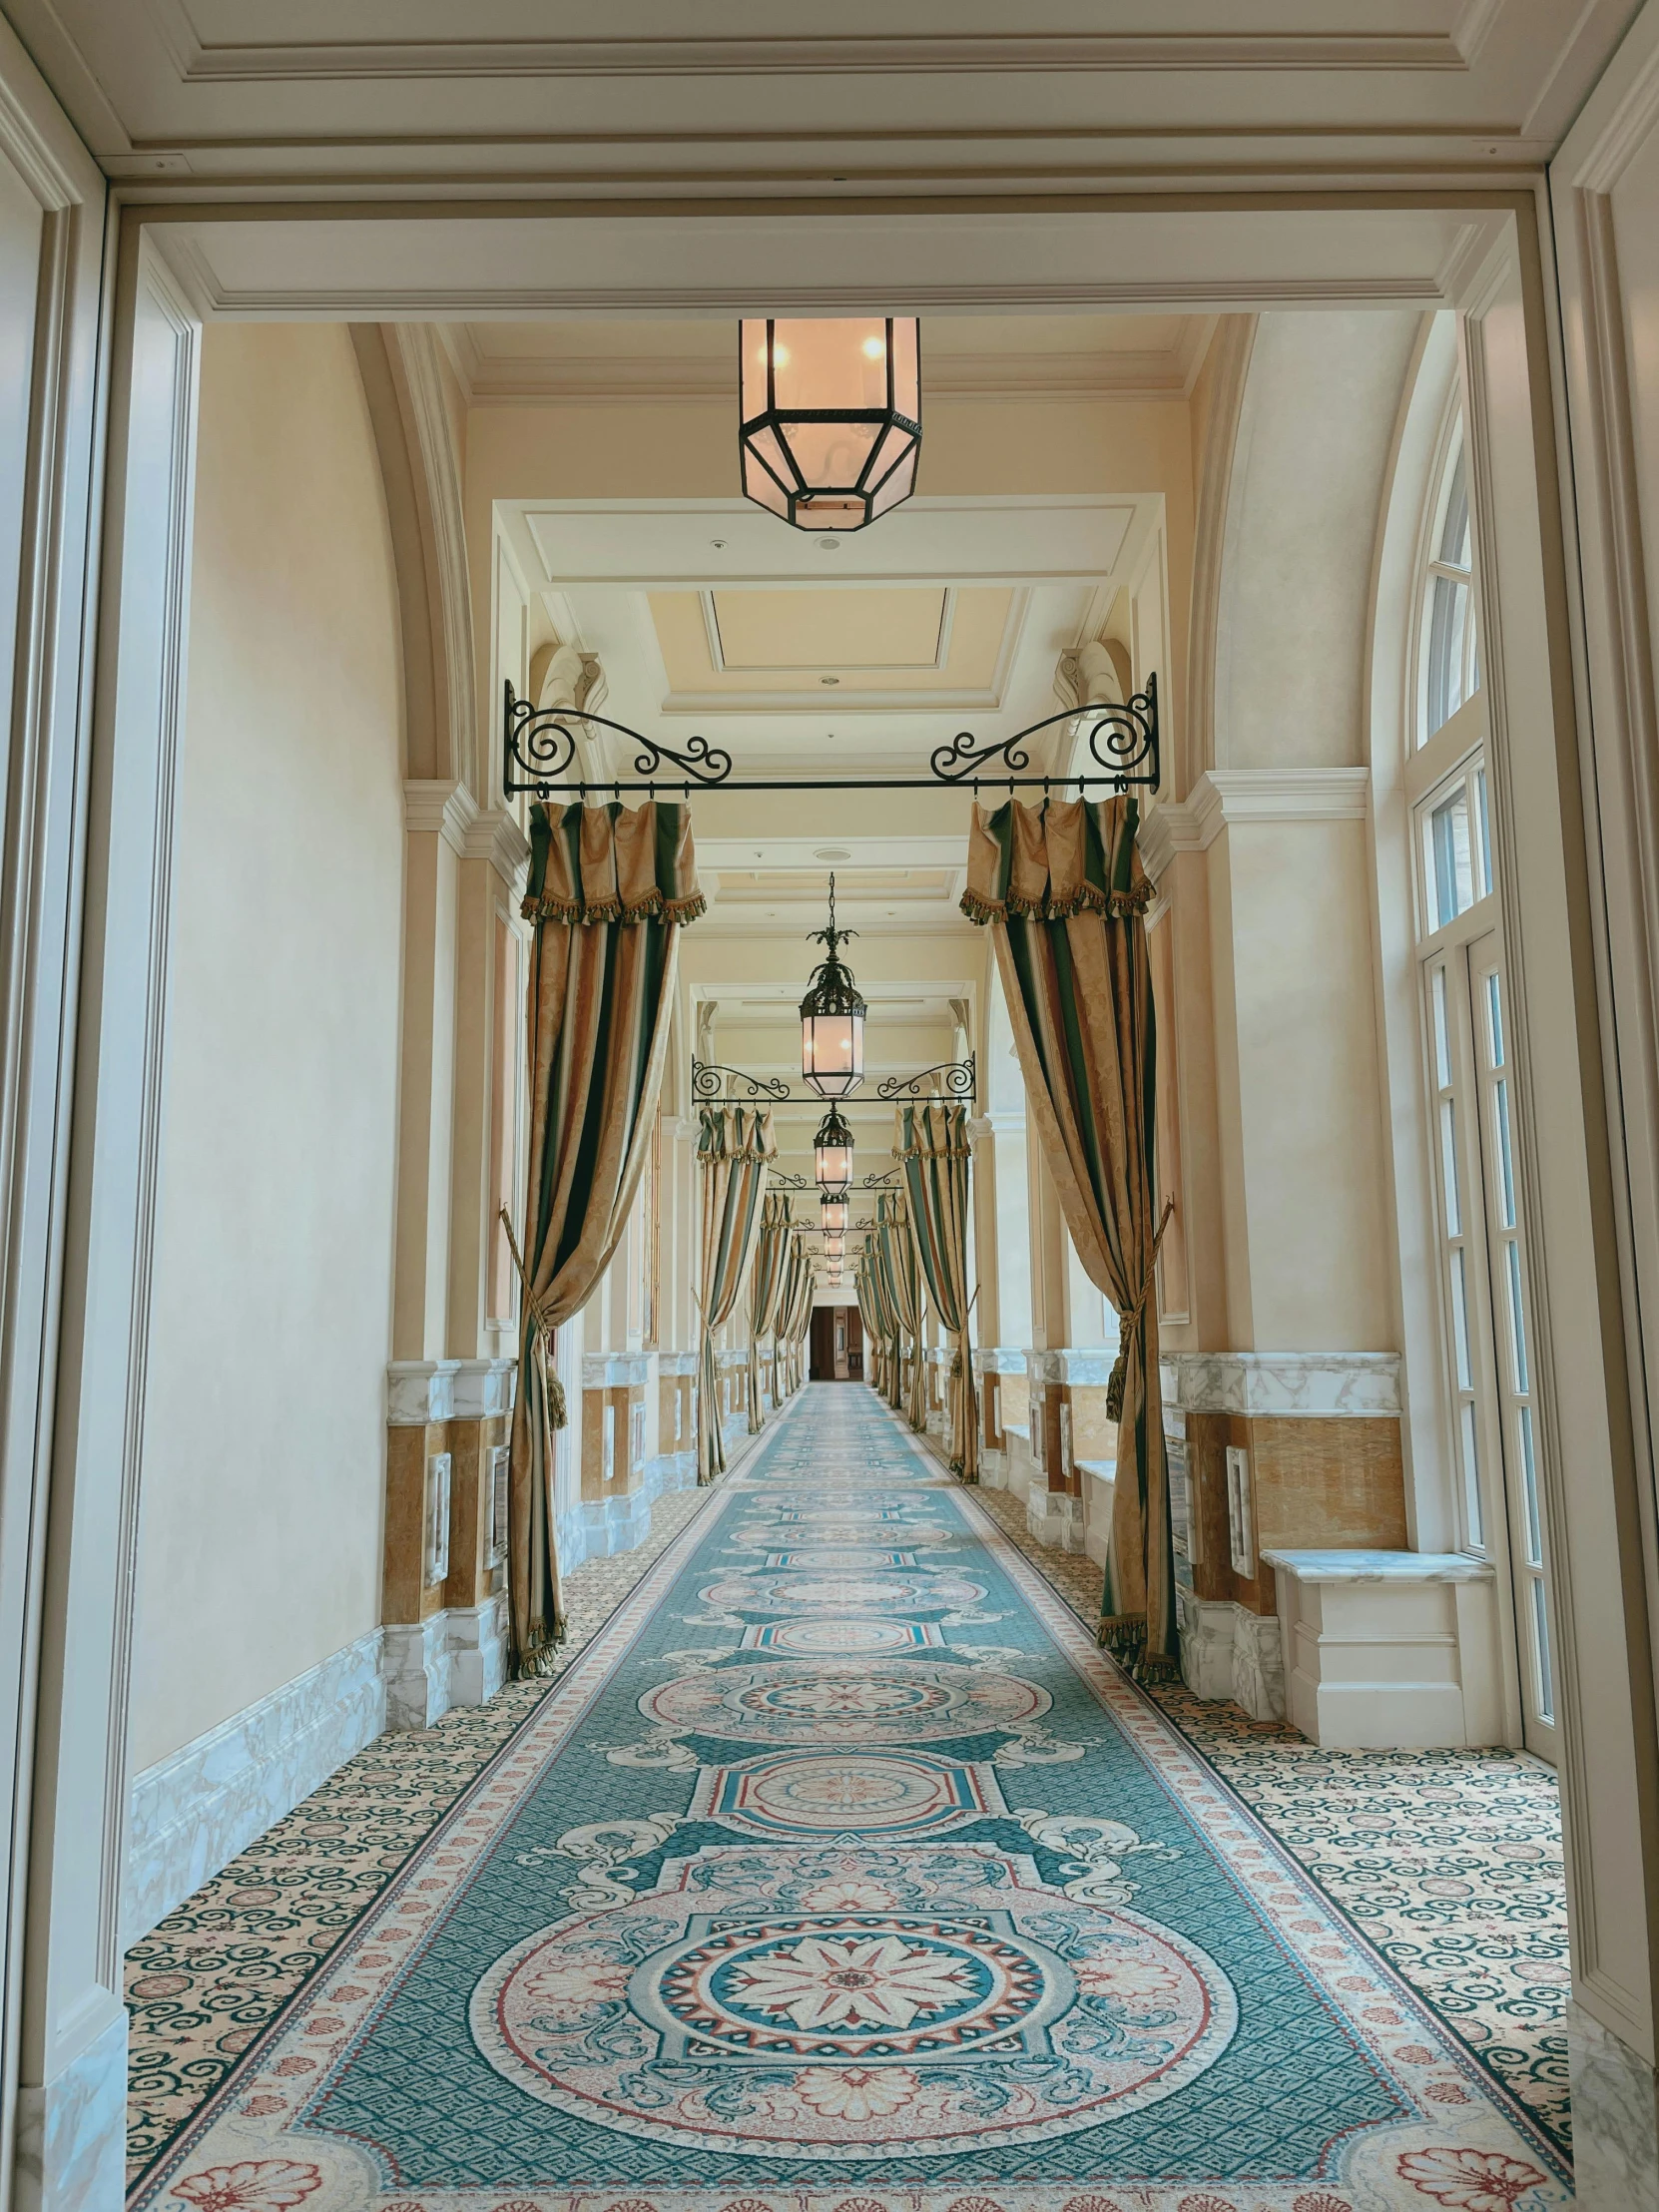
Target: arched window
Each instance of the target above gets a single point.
(1485, 1297)
(1451, 667)
(1447, 774)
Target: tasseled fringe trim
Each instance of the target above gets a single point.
(1087, 901)
(548, 907)
(1121, 1631)
(971, 1481)
(1125, 1635)
(540, 1661)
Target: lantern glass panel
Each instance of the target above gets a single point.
(833, 1164)
(833, 1213)
(835, 1244)
(833, 1052)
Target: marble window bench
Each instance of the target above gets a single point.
(1389, 1650)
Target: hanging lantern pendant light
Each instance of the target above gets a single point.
(831, 1019)
(831, 417)
(832, 1158)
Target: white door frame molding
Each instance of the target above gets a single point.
(1498, 273)
(43, 783)
(1601, 183)
(74, 2024)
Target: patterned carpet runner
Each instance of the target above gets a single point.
(842, 1874)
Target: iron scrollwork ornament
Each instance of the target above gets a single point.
(541, 752)
(1122, 742)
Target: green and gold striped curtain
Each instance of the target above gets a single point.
(903, 1269)
(781, 1383)
(732, 1148)
(892, 1381)
(863, 1285)
(801, 1321)
(608, 890)
(930, 1142)
(766, 1290)
(1064, 891)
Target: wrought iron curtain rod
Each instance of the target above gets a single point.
(540, 748)
(717, 1084)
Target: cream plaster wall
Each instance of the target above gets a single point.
(1313, 1271)
(1313, 447)
(259, 1521)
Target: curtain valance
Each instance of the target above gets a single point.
(1046, 864)
(612, 863)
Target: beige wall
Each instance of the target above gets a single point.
(260, 1523)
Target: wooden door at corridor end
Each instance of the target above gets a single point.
(838, 1345)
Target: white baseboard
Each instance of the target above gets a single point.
(189, 1814)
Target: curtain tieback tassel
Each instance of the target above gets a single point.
(1129, 1324)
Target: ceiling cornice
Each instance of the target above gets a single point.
(504, 380)
(1055, 53)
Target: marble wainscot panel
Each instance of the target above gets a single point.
(1615, 2120)
(72, 2132)
(422, 1392)
(1327, 1385)
(1283, 1451)
(191, 1813)
(1390, 1650)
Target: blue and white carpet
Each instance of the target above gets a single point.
(842, 1874)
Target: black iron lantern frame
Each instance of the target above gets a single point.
(832, 1156)
(832, 1018)
(769, 456)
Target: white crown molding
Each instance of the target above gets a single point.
(1057, 53)
(1227, 796)
(497, 380)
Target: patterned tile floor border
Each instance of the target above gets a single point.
(1449, 1861)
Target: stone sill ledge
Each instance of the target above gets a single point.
(1379, 1566)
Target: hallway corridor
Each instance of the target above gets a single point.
(842, 1869)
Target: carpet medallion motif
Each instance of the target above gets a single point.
(852, 1909)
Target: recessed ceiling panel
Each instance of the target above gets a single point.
(877, 644)
(780, 630)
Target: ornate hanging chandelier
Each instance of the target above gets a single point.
(832, 1156)
(831, 1019)
(831, 417)
(833, 1213)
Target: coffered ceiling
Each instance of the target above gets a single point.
(858, 653)
(774, 94)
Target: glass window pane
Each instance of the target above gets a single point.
(1449, 1170)
(1540, 1634)
(1505, 1158)
(1442, 1042)
(1494, 1019)
(1529, 1491)
(1461, 1321)
(1450, 861)
(1448, 614)
(1518, 1319)
(1454, 547)
(1485, 833)
(1471, 1477)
